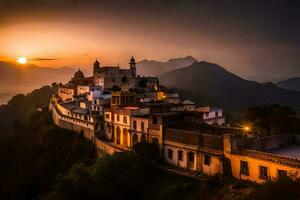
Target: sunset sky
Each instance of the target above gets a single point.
(255, 40)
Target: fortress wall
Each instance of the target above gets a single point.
(105, 147)
(87, 133)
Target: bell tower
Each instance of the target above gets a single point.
(132, 64)
(96, 67)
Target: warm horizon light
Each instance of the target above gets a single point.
(22, 60)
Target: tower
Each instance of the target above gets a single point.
(96, 67)
(132, 64)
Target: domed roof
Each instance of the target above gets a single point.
(79, 74)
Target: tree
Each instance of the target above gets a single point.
(273, 119)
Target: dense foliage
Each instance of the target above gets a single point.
(19, 108)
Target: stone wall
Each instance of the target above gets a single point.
(88, 133)
(105, 146)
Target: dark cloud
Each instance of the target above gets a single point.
(43, 59)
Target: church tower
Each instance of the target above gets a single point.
(132, 64)
(96, 67)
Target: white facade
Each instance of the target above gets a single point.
(65, 93)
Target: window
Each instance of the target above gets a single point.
(142, 126)
(206, 159)
(125, 120)
(281, 173)
(180, 155)
(107, 116)
(155, 140)
(191, 157)
(217, 114)
(206, 114)
(134, 125)
(244, 168)
(170, 153)
(154, 120)
(263, 172)
(118, 117)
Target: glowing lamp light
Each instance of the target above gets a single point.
(247, 129)
(22, 60)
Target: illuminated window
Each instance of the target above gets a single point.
(244, 168)
(263, 172)
(207, 160)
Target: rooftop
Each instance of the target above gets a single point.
(292, 150)
(203, 128)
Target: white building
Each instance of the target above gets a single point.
(212, 115)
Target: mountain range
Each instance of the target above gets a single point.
(156, 68)
(207, 81)
(15, 78)
(31, 75)
(290, 84)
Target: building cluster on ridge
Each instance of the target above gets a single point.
(115, 108)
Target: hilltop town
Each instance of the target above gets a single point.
(115, 109)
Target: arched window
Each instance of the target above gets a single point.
(155, 140)
(143, 138)
(135, 139)
(190, 160)
(191, 156)
(125, 137)
(180, 155)
(112, 133)
(118, 135)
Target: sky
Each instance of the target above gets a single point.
(255, 39)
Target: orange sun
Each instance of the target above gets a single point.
(22, 60)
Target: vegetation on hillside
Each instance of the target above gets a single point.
(18, 110)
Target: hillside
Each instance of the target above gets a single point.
(155, 68)
(290, 84)
(226, 89)
(41, 161)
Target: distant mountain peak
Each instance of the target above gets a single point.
(154, 68)
(290, 84)
(187, 58)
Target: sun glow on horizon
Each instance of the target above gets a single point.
(22, 60)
